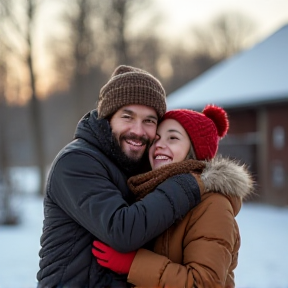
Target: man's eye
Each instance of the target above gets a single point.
(126, 116)
(150, 121)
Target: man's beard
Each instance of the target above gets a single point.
(132, 165)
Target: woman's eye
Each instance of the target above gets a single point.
(174, 138)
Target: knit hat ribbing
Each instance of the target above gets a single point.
(204, 129)
(129, 85)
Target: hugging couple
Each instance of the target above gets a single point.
(139, 197)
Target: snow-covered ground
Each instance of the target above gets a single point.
(263, 259)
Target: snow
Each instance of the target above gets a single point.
(263, 259)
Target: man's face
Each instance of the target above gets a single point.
(134, 127)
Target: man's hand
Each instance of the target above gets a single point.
(111, 259)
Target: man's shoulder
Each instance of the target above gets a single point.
(80, 146)
(80, 152)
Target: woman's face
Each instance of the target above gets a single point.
(171, 144)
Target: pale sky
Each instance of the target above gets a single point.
(268, 15)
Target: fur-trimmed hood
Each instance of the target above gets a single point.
(228, 177)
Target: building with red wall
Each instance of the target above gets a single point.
(252, 87)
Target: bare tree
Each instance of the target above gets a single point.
(7, 213)
(23, 32)
(115, 22)
(114, 32)
(96, 42)
(112, 35)
(81, 39)
(74, 56)
(225, 35)
(185, 66)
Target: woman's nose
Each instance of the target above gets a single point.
(159, 143)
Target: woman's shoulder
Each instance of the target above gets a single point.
(227, 177)
(214, 202)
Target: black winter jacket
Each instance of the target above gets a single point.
(87, 198)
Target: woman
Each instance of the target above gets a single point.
(202, 249)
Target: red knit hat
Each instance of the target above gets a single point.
(204, 129)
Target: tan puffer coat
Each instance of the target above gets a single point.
(202, 249)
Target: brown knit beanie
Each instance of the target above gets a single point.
(129, 85)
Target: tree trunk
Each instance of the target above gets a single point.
(7, 215)
(36, 120)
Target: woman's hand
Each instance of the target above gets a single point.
(112, 259)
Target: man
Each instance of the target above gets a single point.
(87, 197)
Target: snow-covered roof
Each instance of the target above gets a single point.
(252, 77)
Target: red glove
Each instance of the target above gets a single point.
(111, 259)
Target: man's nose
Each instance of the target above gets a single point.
(138, 129)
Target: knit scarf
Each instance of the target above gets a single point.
(143, 184)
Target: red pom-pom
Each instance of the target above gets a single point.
(219, 117)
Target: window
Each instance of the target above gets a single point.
(278, 137)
